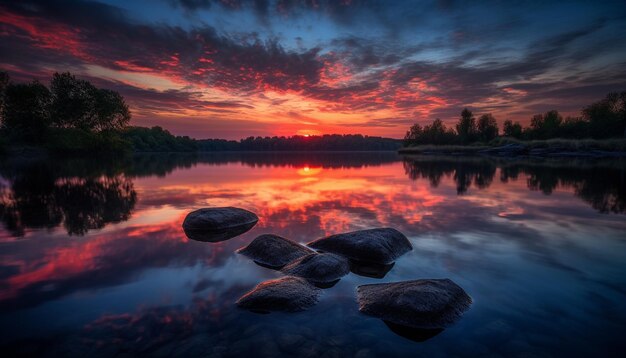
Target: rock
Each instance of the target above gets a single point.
(274, 251)
(318, 268)
(430, 304)
(218, 224)
(289, 294)
(382, 245)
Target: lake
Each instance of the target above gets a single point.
(94, 262)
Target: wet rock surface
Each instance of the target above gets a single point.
(218, 224)
(428, 304)
(318, 268)
(382, 245)
(274, 251)
(289, 294)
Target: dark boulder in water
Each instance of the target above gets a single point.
(427, 304)
(289, 294)
(218, 224)
(382, 245)
(318, 268)
(274, 251)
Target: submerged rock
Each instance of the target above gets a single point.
(411, 333)
(274, 251)
(318, 268)
(382, 245)
(289, 294)
(429, 304)
(218, 224)
(370, 269)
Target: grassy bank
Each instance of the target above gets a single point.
(504, 146)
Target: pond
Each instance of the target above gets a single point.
(94, 262)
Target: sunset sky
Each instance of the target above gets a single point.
(235, 68)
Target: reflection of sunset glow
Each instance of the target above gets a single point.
(510, 212)
(308, 171)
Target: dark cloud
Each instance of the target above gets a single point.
(102, 35)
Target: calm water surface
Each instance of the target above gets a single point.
(93, 260)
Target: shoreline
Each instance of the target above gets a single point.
(541, 149)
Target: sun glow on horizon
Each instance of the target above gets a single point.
(309, 171)
(308, 133)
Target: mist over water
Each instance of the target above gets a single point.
(94, 262)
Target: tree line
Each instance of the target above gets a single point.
(600, 120)
(329, 142)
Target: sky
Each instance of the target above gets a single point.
(237, 68)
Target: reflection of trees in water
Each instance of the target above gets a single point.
(301, 159)
(600, 183)
(464, 172)
(603, 187)
(38, 196)
(91, 203)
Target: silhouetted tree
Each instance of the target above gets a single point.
(607, 117)
(487, 128)
(413, 135)
(79, 104)
(466, 128)
(574, 127)
(545, 126)
(25, 111)
(438, 133)
(111, 111)
(513, 130)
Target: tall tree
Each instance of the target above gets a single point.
(413, 135)
(79, 104)
(607, 117)
(487, 127)
(513, 130)
(73, 101)
(25, 111)
(466, 128)
(546, 126)
(111, 111)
